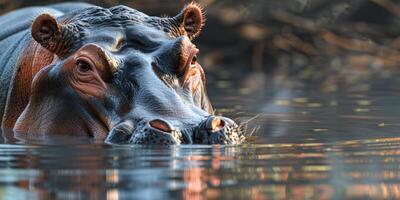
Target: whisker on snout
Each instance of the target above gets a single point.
(244, 127)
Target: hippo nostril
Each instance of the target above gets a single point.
(160, 125)
(215, 124)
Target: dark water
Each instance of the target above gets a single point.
(313, 143)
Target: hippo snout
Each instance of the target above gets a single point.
(212, 130)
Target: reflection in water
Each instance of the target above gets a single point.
(343, 169)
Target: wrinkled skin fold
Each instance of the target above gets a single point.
(124, 77)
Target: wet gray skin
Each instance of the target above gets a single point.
(124, 77)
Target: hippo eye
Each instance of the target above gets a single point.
(83, 66)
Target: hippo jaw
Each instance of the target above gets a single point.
(129, 79)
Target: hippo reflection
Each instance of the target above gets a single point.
(112, 74)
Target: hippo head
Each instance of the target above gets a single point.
(126, 77)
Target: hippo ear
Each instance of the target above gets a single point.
(48, 33)
(191, 19)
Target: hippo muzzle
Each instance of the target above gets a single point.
(212, 130)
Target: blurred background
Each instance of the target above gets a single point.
(329, 42)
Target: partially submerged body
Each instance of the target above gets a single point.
(112, 74)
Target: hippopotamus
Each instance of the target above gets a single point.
(113, 74)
